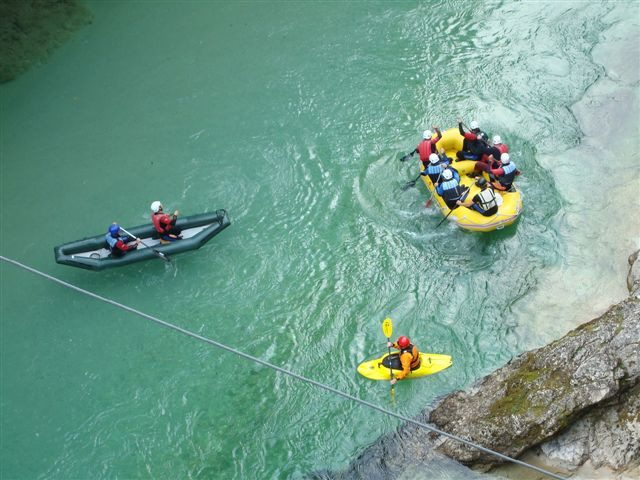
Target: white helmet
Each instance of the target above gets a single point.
(504, 158)
(497, 139)
(447, 174)
(473, 125)
(433, 158)
(427, 134)
(156, 206)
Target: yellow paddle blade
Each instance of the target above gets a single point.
(387, 327)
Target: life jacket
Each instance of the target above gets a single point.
(503, 147)
(449, 185)
(451, 192)
(111, 241)
(424, 149)
(415, 355)
(509, 174)
(434, 170)
(487, 199)
(495, 151)
(477, 146)
(474, 146)
(160, 221)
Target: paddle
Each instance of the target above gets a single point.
(387, 330)
(428, 204)
(157, 253)
(408, 155)
(410, 183)
(446, 216)
(451, 211)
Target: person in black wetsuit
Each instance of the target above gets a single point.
(474, 143)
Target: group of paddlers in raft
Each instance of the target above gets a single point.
(491, 157)
(164, 224)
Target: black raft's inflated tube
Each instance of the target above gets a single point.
(93, 253)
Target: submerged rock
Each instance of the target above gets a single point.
(540, 393)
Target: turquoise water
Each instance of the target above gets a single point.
(292, 116)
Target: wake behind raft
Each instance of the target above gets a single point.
(93, 253)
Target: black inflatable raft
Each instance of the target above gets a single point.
(93, 253)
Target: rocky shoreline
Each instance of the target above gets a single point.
(571, 403)
(577, 399)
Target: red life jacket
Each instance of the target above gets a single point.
(502, 147)
(424, 149)
(161, 222)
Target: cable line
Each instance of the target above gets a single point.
(282, 370)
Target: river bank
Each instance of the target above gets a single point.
(31, 31)
(604, 444)
(572, 401)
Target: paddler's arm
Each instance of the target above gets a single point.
(460, 127)
(465, 204)
(438, 133)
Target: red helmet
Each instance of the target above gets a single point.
(403, 342)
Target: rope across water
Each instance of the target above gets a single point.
(280, 369)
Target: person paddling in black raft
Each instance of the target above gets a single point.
(409, 357)
(119, 246)
(164, 224)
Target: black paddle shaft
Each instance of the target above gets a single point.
(158, 254)
(451, 211)
(410, 183)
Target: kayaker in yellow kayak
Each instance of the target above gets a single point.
(409, 357)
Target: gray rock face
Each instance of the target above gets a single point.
(540, 393)
(609, 436)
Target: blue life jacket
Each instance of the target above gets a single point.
(449, 184)
(111, 241)
(451, 190)
(509, 174)
(435, 169)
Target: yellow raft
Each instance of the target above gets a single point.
(378, 369)
(510, 203)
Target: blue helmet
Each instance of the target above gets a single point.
(114, 229)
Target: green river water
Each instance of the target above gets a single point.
(292, 116)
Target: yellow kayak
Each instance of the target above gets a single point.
(378, 369)
(509, 203)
